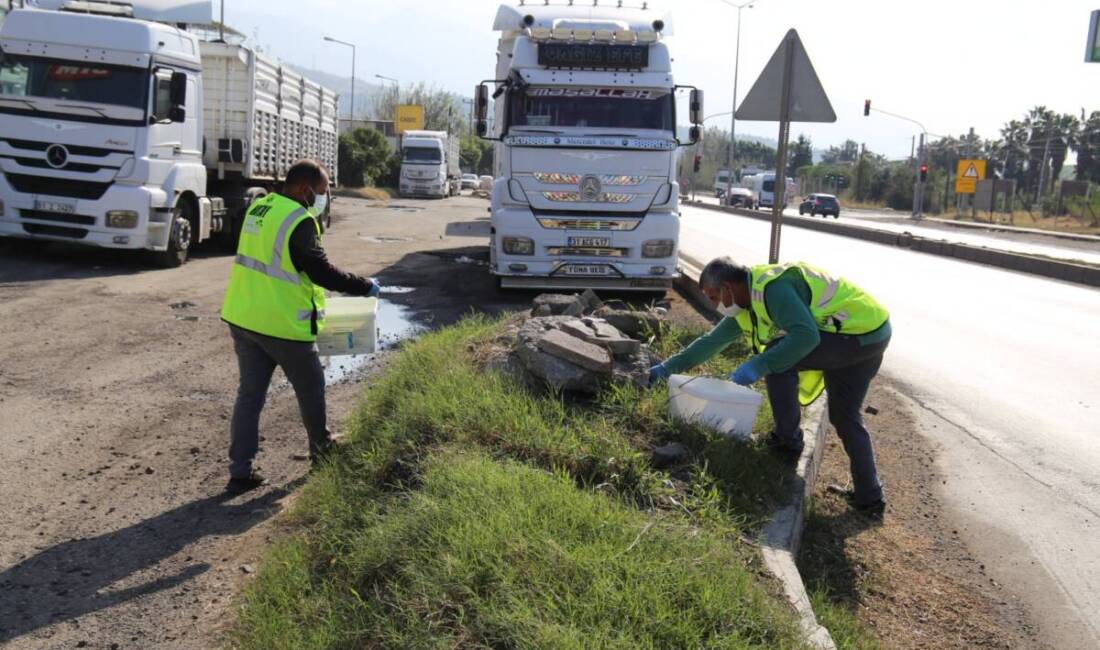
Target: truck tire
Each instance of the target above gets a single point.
(181, 235)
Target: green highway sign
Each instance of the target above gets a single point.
(1092, 54)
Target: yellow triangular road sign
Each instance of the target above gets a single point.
(971, 171)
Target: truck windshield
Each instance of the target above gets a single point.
(425, 155)
(769, 186)
(30, 76)
(614, 108)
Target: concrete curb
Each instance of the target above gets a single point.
(1042, 266)
(782, 535)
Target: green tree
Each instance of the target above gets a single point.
(845, 153)
(363, 157)
(802, 153)
(470, 155)
(1088, 149)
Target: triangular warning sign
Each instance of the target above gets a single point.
(809, 103)
(971, 171)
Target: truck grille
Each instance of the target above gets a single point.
(75, 150)
(566, 251)
(73, 189)
(69, 167)
(588, 224)
(42, 215)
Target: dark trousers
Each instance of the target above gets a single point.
(849, 368)
(257, 356)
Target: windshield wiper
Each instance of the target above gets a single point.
(28, 103)
(530, 130)
(100, 111)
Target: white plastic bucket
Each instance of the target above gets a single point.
(728, 408)
(349, 327)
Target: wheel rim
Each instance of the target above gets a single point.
(181, 233)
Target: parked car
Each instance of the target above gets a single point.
(470, 181)
(823, 204)
(487, 183)
(741, 197)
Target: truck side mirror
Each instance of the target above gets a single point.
(696, 135)
(695, 108)
(177, 97)
(481, 108)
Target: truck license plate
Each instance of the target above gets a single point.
(590, 242)
(586, 269)
(54, 206)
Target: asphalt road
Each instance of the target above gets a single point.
(1002, 372)
(1018, 242)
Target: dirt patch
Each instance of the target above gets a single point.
(911, 580)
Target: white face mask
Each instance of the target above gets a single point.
(728, 312)
(320, 202)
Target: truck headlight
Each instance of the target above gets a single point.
(518, 245)
(658, 248)
(122, 219)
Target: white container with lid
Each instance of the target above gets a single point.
(349, 326)
(728, 408)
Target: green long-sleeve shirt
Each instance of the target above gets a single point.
(787, 299)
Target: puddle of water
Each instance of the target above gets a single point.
(394, 324)
(404, 208)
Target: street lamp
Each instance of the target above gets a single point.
(736, 66)
(351, 116)
(918, 188)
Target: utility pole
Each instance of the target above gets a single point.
(918, 191)
(859, 172)
(1043, 169)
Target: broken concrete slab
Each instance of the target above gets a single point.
(591, 301)
(557, 303)
(635, 324)
(576, 350)
(604, 336)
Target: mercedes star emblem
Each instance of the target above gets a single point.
(590, 188)
(57, 156)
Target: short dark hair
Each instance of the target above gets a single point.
(305, 172)
(723, 269)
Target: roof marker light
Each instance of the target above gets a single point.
(624, 36)
(540, 33)
(559, 34)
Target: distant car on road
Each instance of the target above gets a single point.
(470, 181)
(487, 183)
(741, 197)
(823, 204)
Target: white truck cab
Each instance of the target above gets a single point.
(100, 131)
(429, 164)
(586, 194)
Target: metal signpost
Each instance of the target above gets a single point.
(967, 175)
(1092, 53)
(788, 90)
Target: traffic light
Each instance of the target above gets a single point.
(866, 107)
(697, 164)
(924, 172)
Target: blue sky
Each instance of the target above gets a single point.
(949, 64)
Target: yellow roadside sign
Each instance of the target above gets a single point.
(410, 117)
(967, 175)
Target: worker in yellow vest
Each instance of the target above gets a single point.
(810, 331)
(275, 307)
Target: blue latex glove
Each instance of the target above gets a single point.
(658, 373)
(375, 288)
(748, 373)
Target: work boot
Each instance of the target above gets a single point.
(246, 483)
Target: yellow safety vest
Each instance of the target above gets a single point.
(837, 306)
(266, 294)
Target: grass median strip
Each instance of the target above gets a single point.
(470, 511)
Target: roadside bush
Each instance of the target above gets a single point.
(363, 157)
